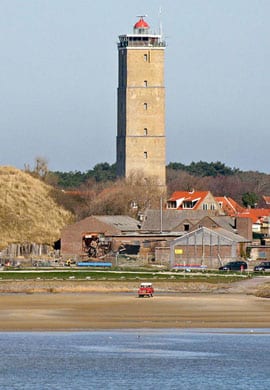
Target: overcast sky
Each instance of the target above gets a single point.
(58, 80)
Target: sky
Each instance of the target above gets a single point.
(58, 80)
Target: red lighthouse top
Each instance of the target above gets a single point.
(141, 24)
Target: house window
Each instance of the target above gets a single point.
(145, 155)
(145, 83)
(205, 206)
(187, 204)
(145, 131)
(186, 227)
(145, 57)
(212, 207)
(145, 106)
(171, 204)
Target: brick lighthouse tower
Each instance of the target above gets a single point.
(141, 142)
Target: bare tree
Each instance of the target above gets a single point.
(41, 167)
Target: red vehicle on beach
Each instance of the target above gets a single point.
(145, 290)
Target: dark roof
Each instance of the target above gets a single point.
(224, 222)
(232, 236)
(168, 220)
(121, 222)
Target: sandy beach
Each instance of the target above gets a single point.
(92, 308)
(118, 311)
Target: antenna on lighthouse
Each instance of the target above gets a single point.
(160, 22)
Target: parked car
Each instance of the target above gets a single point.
(263, 266)
(145, 290)
(234, 266)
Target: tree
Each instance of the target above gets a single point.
(103, 172)
(70, 179)
(98, 191)
(124, 196)
(40, 169)
(250, 199)
(203, 168)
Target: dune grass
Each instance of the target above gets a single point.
(28, 212)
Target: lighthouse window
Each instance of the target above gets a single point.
(145, 57)
(145, 155)
(145, 131)
(145, 83)
(145, 106)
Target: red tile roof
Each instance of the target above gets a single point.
(257, 215)
(233, 209)
(229, 205)
(189, 196)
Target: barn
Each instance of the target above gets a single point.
(95, 236)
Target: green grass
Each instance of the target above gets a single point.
(121, 276)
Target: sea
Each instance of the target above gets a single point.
(136, 359)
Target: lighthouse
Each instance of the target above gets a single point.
(141, 141)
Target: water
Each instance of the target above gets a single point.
(141, 359)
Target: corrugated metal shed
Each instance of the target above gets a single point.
(205, 236)
(206, 244)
